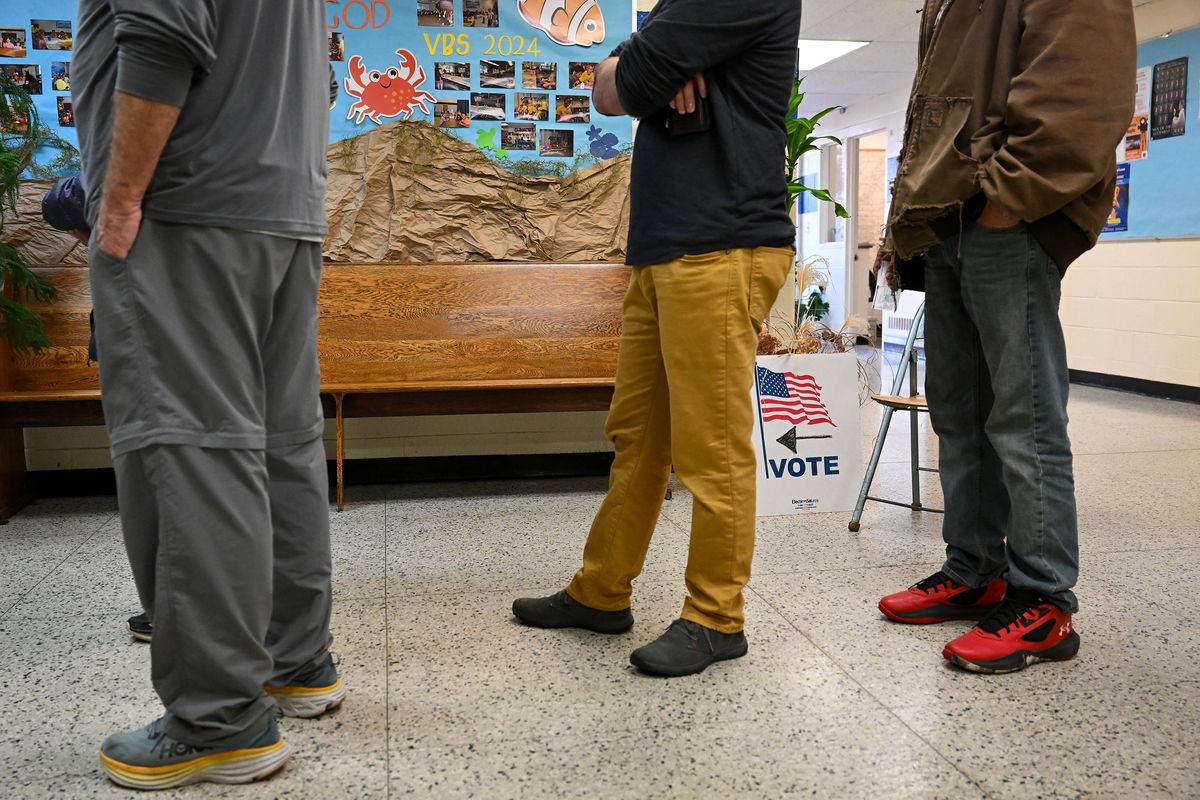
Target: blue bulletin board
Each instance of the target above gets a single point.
(510, 76)
(36, 37)
(1162, 199)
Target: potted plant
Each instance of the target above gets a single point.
(22, 134)
(808, 380)
(803, 331)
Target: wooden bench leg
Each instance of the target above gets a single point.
(341, 451)
(13, 494)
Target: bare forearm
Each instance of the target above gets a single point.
(141, 129)
(604, 93)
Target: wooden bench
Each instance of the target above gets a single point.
(395, 340)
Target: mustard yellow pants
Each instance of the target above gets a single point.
(684, 373)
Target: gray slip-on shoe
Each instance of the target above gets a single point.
(686, 649)
(561, 611)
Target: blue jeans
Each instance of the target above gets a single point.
(997, 384)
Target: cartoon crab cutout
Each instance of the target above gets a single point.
(391, 93)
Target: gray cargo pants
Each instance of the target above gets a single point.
(210, 386)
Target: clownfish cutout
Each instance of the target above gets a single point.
(578, 22)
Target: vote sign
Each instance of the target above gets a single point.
(806, 433)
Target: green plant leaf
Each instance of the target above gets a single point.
(21, 136)
(801, 141)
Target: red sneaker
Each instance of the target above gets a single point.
(1022, 631)
(939, 598)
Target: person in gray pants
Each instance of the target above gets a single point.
(206, 202)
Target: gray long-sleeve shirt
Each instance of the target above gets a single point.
(252, 81)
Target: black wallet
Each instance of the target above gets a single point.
(685, 124)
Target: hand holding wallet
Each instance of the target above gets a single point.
(694, 93)
(698, 121)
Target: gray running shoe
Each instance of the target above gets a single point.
(139, 627)
(311, 694)
(561, 611)
(150, 759)
(686, 649)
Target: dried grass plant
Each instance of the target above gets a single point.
(799, 332)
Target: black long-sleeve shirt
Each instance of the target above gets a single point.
(723, 188)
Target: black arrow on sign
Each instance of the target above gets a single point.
(790, 438)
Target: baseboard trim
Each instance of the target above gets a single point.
(1165, 391)
(366, 471)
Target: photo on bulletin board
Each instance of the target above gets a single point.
(452, 114)
(66, 112)
(531, 107)
(556, 142)
(435, 13)
(60, 76)
(481, 14)
(497, 75)
(539, 75)
(13, 43)
(25, 76)
(452, 76)
(518, 136)
(488, 106)
(573, 108)
(583, 75)
(14, 122)
(337, 46)
(51, 34)
(1168, 110)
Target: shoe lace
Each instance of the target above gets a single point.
(1010, 612)
(934, 581)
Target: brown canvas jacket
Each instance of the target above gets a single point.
(1023, 101)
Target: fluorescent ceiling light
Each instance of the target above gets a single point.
(815, 52)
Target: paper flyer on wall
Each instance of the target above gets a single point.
(1136, 144)
(1168, 108)
(1118, 219)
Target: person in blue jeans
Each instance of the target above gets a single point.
(1006, 177)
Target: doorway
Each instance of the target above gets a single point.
(868, 176)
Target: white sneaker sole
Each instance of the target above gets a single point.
(135, 635)
(235, 766)
(305, 703)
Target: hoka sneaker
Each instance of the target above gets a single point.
(1023, 630)
(150, 759)
(139, 628)
(311, 694)
(939, 598)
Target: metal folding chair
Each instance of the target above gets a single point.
(914, 404)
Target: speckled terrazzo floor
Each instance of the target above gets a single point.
(450, 698)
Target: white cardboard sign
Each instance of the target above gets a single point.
(806, 433)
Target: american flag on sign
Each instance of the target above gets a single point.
(790, 397)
